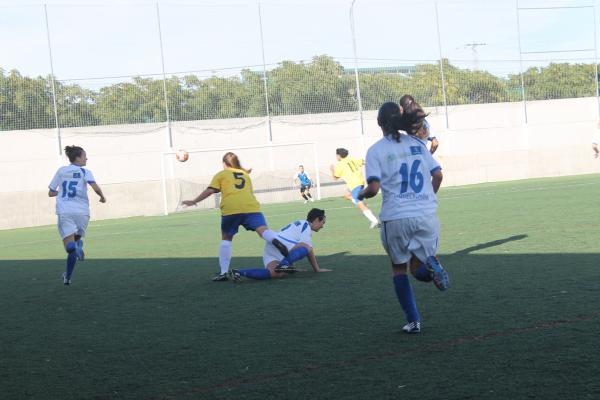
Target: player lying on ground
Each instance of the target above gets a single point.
(69, 186)
(297, 236)
(238, 207)
(409, 178)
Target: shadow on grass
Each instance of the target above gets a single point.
(159, 328)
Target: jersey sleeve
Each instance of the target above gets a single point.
(306, 234)
(431, 162)
(373, 167)
(89, 177)
(339, 170)
(55, 182)
(215, 183)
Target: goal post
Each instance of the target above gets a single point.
(273, 166)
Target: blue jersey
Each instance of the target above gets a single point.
(303, 178)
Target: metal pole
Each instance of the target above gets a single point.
(162, 60)
(317, 177)
(58, 138)
(262, 48)
(358, 96)
(437, 24)
(521, 61)
(596, 63)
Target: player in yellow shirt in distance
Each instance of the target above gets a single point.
(238, 207)
(350, 170)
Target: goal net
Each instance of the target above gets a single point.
(273, 167)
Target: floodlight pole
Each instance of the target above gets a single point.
(53, 84)
(437, 24)
(521, 61)
(596, 63)
(264, 77)
(162, 60)
(358, 95)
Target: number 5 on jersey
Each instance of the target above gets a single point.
(239, 176)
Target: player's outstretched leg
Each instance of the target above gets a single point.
(438, 273)
(253, 273)
(271, 237)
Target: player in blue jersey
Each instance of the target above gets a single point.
(425, 133)
(297, 236)
(302, 179)
(69, 186)
(409, 178)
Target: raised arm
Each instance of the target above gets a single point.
(98, 192)
(206, 193)
(434, 145)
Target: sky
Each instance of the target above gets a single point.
(95, 42)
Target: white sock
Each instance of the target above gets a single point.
(269, 235)
(370, 216)
(224, 256)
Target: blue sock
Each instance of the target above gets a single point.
(255, 273)
(295, 255)
(422, 274)
(406, 297)
(71, 258)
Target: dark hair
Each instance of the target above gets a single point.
(341, 152)
(73, 152)
(389, 118)
(315, 213)
(406, 100)
(413, 118)
(231, 160)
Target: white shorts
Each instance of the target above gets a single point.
(72, 224)
(271, 253)
(401, 238)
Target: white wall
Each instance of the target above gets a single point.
(485, 143)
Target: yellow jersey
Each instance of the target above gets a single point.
(237, 196)
(350, 170)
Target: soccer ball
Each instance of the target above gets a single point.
(182, 156)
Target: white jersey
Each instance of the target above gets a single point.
(296, 232)
(71, 184)
(404, 171)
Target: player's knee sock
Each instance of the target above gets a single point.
(422, 274)
(369, 214)
(255, 273)
(71, 259)
(224, 256)
(304, 196)
(406, 297)
(296, 254)
(269, 235)
(308, 194)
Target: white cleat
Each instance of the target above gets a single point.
(412, 327)
(375, 225)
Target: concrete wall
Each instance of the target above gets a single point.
(485, 143)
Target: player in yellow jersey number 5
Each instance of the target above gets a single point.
(238, 207)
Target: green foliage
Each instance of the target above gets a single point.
(320, 86)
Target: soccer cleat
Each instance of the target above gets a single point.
(374, 225)
(221, 277)
(412, 327)
(65, 280)
(281, 247)
(438, 273)
(290, 269)
(305, 201)
(235, 275)
(311, 199)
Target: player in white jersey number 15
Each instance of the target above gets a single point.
(69, 186)
(409, 178)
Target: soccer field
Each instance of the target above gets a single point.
(143, 320)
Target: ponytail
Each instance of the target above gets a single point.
(231, 160)
(73, 152)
